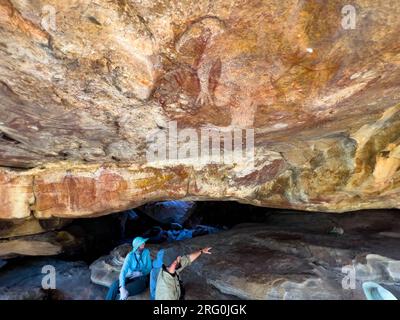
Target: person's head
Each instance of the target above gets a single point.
(138, 244)
(176, 264)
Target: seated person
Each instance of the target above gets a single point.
(134, 273)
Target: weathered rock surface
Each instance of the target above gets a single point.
(105, 270)
(46, 244)
(83, 83)
(170, 211)
(30, 226)
(290, 257)
(23, 281)
(79, 239)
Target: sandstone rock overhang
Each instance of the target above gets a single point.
(83, 83)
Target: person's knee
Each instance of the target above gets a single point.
(136, 287)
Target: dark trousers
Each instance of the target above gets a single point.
(134, 287)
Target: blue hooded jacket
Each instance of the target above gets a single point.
(157, 265)
(135, 261)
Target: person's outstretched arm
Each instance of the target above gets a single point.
(193, 256)
(188, 259)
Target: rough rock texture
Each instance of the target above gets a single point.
(79, 239)
(290, 257)
(23, 281)
(82, 84)
(30, 226)
(47, 244)
(170, 211)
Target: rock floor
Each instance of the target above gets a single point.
(310, 259)
(288, 256)
(22, 280)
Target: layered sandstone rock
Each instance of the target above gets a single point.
(83, 84)
(30, 226)
(292, 256)
(47, 244)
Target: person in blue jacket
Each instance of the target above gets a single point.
(134, 273)
(157, 265)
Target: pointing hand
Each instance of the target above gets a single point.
(206, 250)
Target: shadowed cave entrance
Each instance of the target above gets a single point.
(258, 253)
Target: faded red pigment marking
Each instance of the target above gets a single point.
(264, 175)
(68, 194)
(110, 187)
(74, 193)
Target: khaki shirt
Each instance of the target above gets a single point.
(168, 287)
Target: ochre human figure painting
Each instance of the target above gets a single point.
(205, 33)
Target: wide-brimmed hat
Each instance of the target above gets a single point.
(137, 242)
(169, 256)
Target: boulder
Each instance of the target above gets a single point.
(30, 226)
(46, 244)
(256, 262)
(105, 270)
(379, 268)
(22, 280)
(285, 258)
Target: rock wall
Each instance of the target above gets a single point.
(84, 83)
